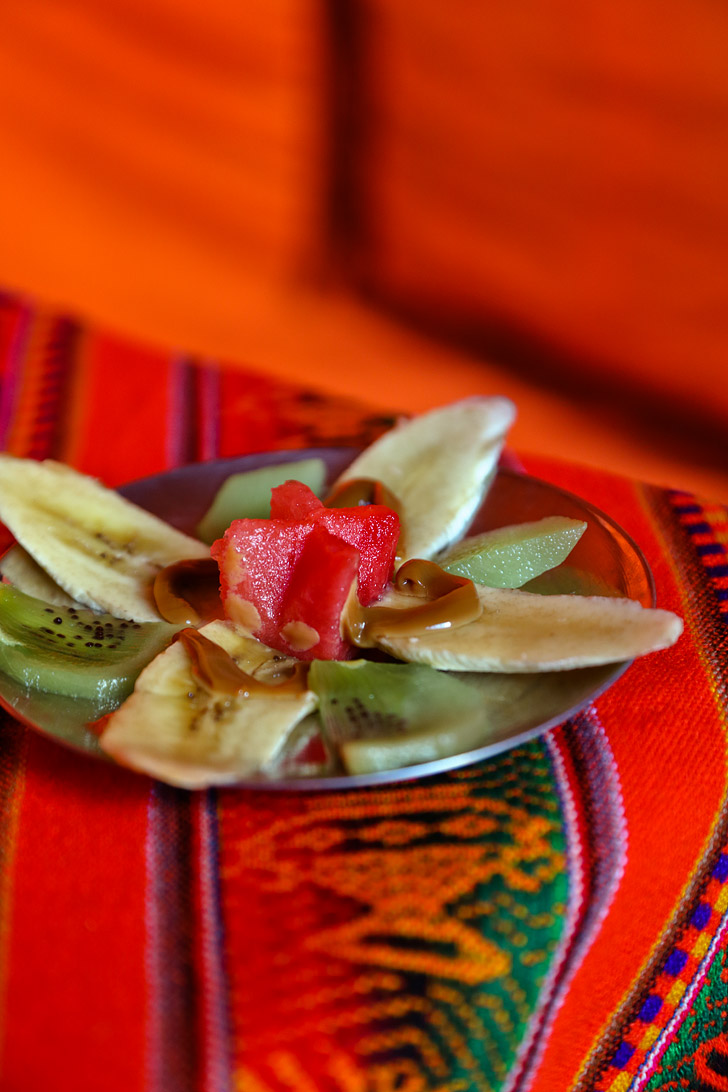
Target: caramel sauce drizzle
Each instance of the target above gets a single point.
(448, 602)
(188, 592)
(362, 491)
(217, 671)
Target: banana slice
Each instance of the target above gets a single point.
(25, 574)
(522, 631)
(177, 730)
(438, 466)
(101, 549)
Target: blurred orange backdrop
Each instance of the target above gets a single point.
(405, 201)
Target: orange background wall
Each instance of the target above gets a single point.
(406, 201)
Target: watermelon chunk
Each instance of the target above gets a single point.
(293, 500)
(314, 601)
(256, 558)
(372, 528)
(287, 579)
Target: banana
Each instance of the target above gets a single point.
(178, 730)
(438, 466)
(521, 631)
(101, 549)
(25, 574)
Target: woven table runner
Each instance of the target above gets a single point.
(552, 919)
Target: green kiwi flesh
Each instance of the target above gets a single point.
(72, 650)
(247, 494)
(382, 716)
(509, 557)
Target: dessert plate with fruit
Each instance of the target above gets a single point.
(316, 619)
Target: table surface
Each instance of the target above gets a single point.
(548, 920)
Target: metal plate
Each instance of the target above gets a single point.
(605, 561)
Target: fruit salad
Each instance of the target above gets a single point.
(347, 628)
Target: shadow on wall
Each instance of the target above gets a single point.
(548, 188)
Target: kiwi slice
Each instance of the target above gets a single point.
(73, 651)
(382, 716)
(247, 494)
(509, 557)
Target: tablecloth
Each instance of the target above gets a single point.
(552, 919)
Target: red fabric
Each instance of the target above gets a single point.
(671, 802)
(75, 1005)
(553, 918)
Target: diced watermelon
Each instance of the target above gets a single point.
(297, 572)
(293, 500)
(256, 558)
(372, 528)
(314, 601)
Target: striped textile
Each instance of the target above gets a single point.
(553, 919)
